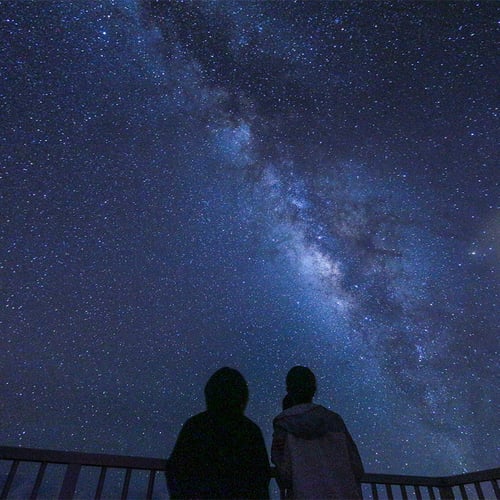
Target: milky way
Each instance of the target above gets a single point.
(187, 185)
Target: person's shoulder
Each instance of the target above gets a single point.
(249, 422)
(295, 410)
(330, 415)
(195, 420)
(278, 418)
(251, 425)
(327, 411)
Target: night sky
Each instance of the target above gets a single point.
(254, 184)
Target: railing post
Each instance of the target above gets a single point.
(418, 493)
(388, 490)
(446, 493)
(496, 489)
(479, 490)
(10, 478)
(69, 483)
(404, 494)
(126, 484)
(151, 484)
(100, 484)
(38, 481)
(463, 492)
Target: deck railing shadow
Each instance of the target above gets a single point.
(36, 473)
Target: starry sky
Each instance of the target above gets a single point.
(187, 185)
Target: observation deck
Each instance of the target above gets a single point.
(36, 473)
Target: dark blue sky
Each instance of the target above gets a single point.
(188, 185)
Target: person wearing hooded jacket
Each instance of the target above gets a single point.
(314, 453)
(220, 453)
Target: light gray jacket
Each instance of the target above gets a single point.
(315, 454)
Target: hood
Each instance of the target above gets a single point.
(306, 421)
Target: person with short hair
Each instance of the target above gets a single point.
(220, 453)
(312, 449)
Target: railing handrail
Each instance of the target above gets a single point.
(437, 481)
(74, 457)
(147, 463)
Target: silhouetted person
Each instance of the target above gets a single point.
(312, 449)
(220, 453)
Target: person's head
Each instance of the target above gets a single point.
(301, 385)
(226, 392)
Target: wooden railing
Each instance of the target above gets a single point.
(482, 485)
(34, 473)
(75, 465)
